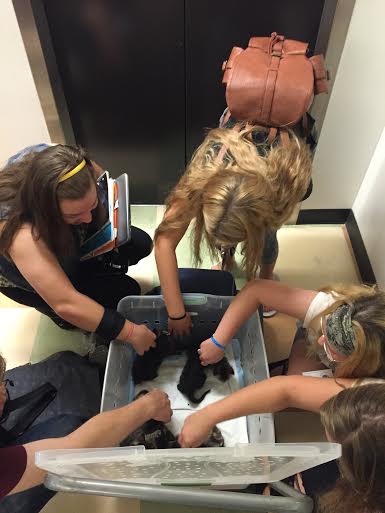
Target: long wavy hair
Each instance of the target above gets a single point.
(368, 319)
(235, 199)
(31, 191)
(355, 418)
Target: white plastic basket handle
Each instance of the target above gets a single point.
(194, 299)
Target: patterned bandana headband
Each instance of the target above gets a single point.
(73, 171)
(339, 330)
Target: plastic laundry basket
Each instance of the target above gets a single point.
(182, 476)
(206, 311)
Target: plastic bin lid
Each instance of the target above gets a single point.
(239, 465)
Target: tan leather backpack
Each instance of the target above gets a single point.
(272, 83)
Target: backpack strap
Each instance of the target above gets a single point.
(221, 153)
(272, 134)
(225, 118)
(275, 50)
(34, 402)
(284, 136)
(321, 75)
(24, 400)
(224, 148)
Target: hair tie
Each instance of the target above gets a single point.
(178, 318)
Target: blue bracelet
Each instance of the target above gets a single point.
(215, 341)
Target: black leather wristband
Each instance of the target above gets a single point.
(111, 324)
(178, 318)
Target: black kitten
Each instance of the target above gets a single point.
(145, 367)
(223, 369)
(193, 377)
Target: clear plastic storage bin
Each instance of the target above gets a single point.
(206, 311)
(194, 477)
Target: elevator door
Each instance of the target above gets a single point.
(137, 82)
(121, 69)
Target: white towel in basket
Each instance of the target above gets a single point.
(233, 431)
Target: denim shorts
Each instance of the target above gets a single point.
(270, 248)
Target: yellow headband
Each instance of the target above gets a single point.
(73, 171)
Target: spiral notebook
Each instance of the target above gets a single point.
(113, 217)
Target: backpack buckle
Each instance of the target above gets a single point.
(276, 45)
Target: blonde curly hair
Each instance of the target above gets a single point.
(235, 199)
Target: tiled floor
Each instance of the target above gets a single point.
(310, 257)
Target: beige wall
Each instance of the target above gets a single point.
(355, 115)
(21, 118)
(339, 30)
(369, 210)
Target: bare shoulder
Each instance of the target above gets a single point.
(23, 238)
(26, 245)
(97, 168)
(179, 209)
(175, 222)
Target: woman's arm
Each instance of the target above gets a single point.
(41, 269)
(268, 396)
(105, 430)
(289, 300)
(97, 168)
(166, 261)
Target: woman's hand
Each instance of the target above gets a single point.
(181, 327)
(209, 353)
(196, 430)
(142, 338)
(3, 398)
(160, 406)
